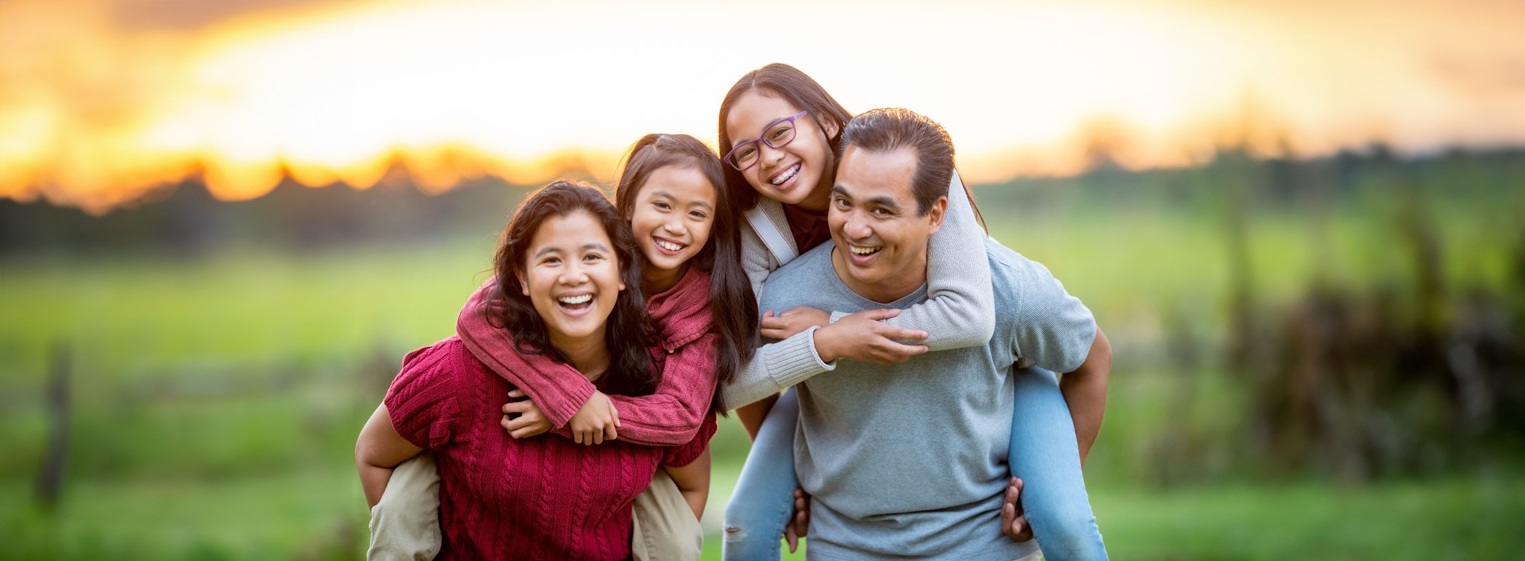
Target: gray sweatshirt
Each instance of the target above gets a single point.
(909, 460)
(957, 314)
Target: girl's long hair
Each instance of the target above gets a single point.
(627, 333)
(732, 304)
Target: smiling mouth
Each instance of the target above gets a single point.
(788, 174)
(670, 247)
(863, 251)
(575, 303)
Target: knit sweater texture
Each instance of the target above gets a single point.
(685, 352)
(502, 498)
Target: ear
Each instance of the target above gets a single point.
(523, 286)
(831, 127)
(936, 213)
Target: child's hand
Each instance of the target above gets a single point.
(799, 524)
(595, 422)
(785, 325)
(1013, 518)
(864, 336)
(522, 418)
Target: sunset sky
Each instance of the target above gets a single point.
(103, 100)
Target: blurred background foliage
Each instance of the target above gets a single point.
(1314, 358)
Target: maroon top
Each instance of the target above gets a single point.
(668, 417)
(809, 229)
(501, 498)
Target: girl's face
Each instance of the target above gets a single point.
(572, 277)
(799, 173)
(673, 213)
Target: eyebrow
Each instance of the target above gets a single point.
(880, 200)
(592, 246)
(661, 193)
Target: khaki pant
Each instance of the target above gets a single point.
(405, 522)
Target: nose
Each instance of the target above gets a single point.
(855, 227)
(673, 224)
(574, 274)
(769, 154)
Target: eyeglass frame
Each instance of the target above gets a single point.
(761, 139)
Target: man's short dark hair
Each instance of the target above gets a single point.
(895, 128)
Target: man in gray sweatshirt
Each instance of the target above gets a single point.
(910, 460)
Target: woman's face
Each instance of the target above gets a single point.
(673, 213)
(799, 172)
(572, 277)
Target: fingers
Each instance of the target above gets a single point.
(516, 393)
(610, 434)
(880, 314)
(791, 538)
(1024, 531)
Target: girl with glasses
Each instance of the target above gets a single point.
(780, 132)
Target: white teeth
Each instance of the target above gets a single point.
(860, 250)
(669, 246)
(786, 175)
(575, 300)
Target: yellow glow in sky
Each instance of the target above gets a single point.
(96, 107)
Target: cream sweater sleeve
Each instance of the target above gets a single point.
(780, 364)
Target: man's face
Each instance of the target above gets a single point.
(881, 241)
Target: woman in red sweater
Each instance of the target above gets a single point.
(571, 292)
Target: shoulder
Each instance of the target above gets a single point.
(445, 365)
(808, 265)
(1017, 280)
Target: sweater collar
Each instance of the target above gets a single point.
(682, 312)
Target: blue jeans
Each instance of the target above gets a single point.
(1043, 453)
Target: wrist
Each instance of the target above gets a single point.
(825, 343)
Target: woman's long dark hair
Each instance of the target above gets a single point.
(627, 333)
(732, 305)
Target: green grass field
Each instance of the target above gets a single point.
(216, 402)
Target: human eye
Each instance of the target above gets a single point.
(661, 205)
(780, 131)
(882, 212)
(699, 214)
(745, 152)
(841, 202)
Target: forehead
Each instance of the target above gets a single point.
(685, 183)
(573, 230)
(753, 111)
(867, 173)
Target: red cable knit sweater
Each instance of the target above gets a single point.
(670, 416)
(500, 498)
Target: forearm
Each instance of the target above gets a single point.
(960, 308)
(373, 480)
(559, 390)
(752, 415)
(379, 449)
(776, 367)
(1085, 391)
(693, 482)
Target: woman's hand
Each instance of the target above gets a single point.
(595, 421)
(785, 325)
(530, 420)
(864, 336)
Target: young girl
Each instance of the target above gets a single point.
(689, 246)
(570, 288)
(780, 132)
